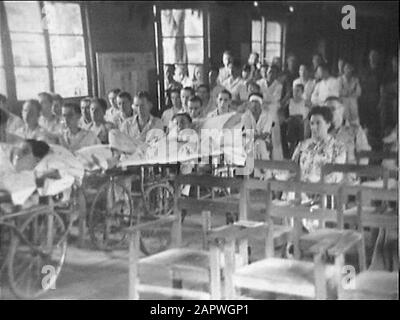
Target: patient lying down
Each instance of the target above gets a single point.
(32, 165)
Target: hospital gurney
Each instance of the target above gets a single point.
(137, 190)
(33, 242)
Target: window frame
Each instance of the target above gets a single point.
(157, 8)
(8, 57)
(264, 41)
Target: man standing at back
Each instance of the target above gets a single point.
(327, 87)
(224, 72)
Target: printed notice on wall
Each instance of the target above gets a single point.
(126, 71)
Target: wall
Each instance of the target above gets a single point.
(121, 26)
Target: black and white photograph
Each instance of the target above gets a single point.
(185, 151)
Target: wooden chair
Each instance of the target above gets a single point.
(256, 202)
(375, 284)
(307, 279)
(376, 156)
(182, 263)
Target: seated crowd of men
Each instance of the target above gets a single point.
(276, 106)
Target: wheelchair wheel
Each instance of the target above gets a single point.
(35, 262)
(110, 213)
(159, 201)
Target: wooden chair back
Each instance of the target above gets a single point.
(376, 156)
(198, 205)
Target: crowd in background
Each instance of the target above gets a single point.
(297, 111)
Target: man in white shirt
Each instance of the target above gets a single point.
(113, 110)
(235, 84)
(297, 115)
(308, 83)
(32, 129)
(137, 126)
(203, 92)
(181, 75)
(215, 86)
(224, 71)
(124, 102)
(186, 94)
(327, 87)
(176, 107)
(85, 120)
(224, 101)
(74, 137)
(48, 119)
(271, 88)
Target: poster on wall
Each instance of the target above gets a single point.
(126, 71)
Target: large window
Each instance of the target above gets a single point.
(267, 39)
(182, 37)
(48, 51)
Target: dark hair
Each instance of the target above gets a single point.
(47, 95)
(324, 67)
(264, 65)
(176, 90)
(184, 114)
(39, 148)
(235, 63)
(35, 103)
(115, 91)
(318, 55)
(189, 89)
(246, 67)
(87, 99)
(101, 102)
(196, 99)
(255, 84)
(275, 68)
(143, 95)
(214, 68)
(226, 92)
(73, 106)
(205, 86)
(3, 117)
(57, 97)
(300, 85)
(125, 95)
(325, 112)
(3, 98)
(256, 94)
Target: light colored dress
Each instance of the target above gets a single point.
(311, 155)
